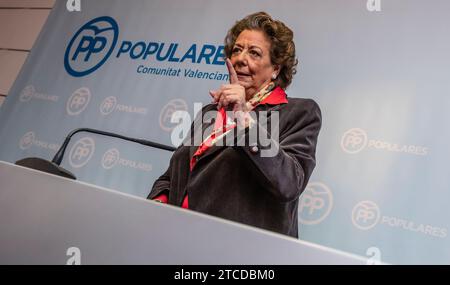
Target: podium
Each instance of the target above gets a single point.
(42, 216)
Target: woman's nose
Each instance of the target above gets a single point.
(241, 58)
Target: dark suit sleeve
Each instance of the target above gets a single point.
(161, 185)
(286, 171)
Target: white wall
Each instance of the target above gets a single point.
(20, 24)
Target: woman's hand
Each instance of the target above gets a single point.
(230, 96)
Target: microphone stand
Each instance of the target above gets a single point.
(54, 167)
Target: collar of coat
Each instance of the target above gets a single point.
(277, 97)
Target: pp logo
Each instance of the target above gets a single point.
(27, 140)
(365, 215)
(354, 140)
(108, 105)
(91, 46)
(78, 101)
(315, 204)
(167, 112)
(27, 93)
(81, 152)
(110, 158)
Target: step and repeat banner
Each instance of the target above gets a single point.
(378, 69)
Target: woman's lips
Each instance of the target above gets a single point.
(243, 76)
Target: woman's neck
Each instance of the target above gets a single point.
(250, 96)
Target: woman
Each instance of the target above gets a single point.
(238, 182)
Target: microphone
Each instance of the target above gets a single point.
(54, 167)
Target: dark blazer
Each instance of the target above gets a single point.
(238, 184)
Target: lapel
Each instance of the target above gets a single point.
(193, 148)
(211, 150)
(214, 149)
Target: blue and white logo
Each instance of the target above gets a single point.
(365, 215)
(91, 46)
(354, 140)
(81, 152)
(315, 204)
(110, 158)
(27, 93)
(27, 140)
(168, 110)
(108, 105)
(78, 101)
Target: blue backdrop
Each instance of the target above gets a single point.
(378, 72)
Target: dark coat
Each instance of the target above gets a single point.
(238, 184)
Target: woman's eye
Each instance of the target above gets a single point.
(254, 53)
(236, 50)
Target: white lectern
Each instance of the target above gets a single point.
(42, 216)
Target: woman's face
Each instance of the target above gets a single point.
(251, 59)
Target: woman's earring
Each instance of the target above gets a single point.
(274, 76)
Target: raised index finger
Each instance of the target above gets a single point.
(232, 72)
